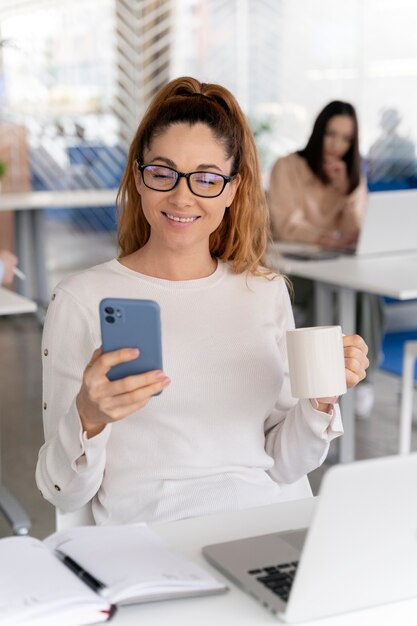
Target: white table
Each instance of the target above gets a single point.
(30, 243)
(11, 304)
(236, 608)
(393, 275)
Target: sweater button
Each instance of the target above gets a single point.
(45, 406)
(45, 352)
(57, 487)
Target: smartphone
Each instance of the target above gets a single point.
(127, 323)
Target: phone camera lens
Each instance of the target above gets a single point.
(109, 309)
(110, 319)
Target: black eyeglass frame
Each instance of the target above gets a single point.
(143, 166)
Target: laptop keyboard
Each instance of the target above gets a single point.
(278, 578)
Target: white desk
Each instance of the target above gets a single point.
(392, 275)
(30, 245)
(11, 304)
(236, 608)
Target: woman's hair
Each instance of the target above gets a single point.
(243, 234)
(313, 152)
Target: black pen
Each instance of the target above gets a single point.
(94, 584)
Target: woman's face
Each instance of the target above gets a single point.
(180, 220)
(338, 137)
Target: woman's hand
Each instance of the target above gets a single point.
(101, 401)
(336, 172)
(338, 240)
(9, 261)
(356, 361)
(332, 240)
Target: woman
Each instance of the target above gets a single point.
(225, 433)
(317, 196)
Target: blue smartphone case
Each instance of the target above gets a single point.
(127, 323)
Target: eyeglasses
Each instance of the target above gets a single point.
(202, 184)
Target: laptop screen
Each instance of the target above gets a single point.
(390, 223)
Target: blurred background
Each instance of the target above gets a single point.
(76, 75)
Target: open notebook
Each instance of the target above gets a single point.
(77, 576)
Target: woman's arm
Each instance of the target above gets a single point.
(288, 218)
(81, 403)
(353, 210)
(70, 466)
(298, 433)
(297, 436)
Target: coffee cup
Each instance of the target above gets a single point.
(316, 362)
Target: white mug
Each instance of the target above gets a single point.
(316, 362)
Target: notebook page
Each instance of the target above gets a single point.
(132, 560)
(35, 585)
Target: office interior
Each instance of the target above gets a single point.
(67, 116)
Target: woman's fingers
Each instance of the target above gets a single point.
(101, 362)
(104, 388)
(121, 405)
(354, 373)
(355, 341)
(108, 359)
(356, 360)
(130, 383)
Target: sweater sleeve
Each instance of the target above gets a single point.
(288, 219)
(353, 210)
(70, 467)
(297, 436)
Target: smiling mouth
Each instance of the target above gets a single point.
(184, 220)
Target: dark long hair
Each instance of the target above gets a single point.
(313, 152)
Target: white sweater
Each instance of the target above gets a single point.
(224, 435)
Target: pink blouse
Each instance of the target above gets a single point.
(303, 208)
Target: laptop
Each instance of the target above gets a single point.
(389, 227)
(359, 551)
